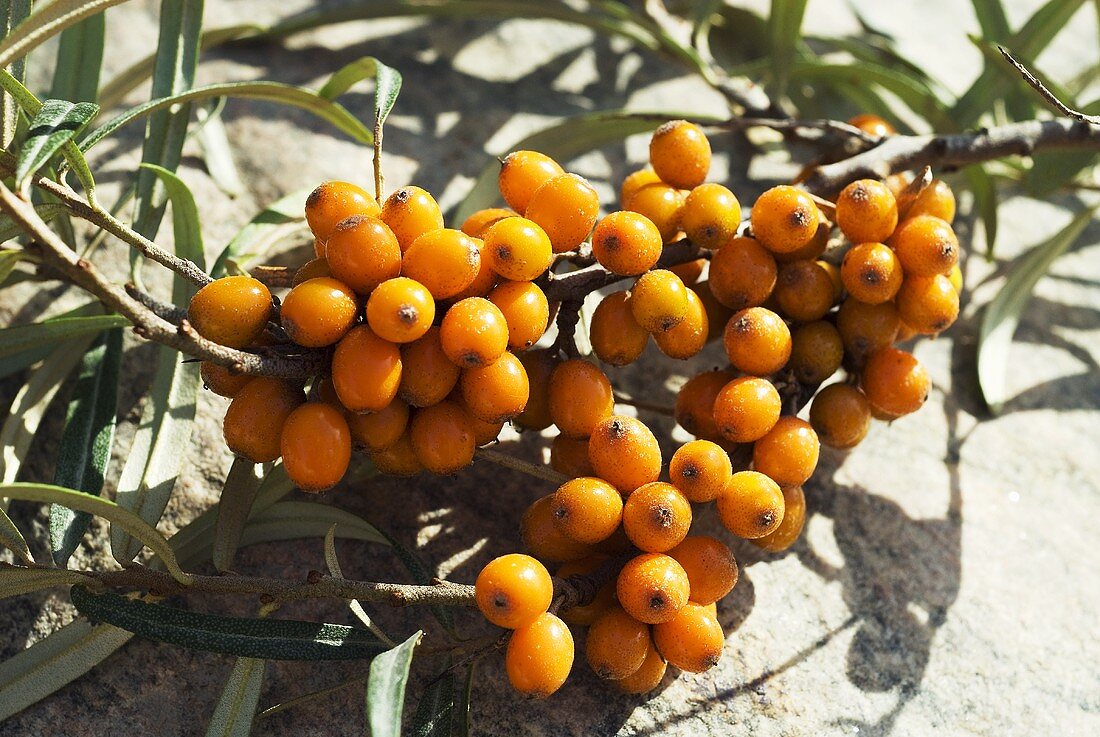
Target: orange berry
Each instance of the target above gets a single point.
(497, 392)
(871, 273)
(936, 199)
(866, 211)
(680, 154)
(635, 181)
(626, 243)
(624, 453)
(692, 640)
(366, 370)
(866, 328)
(232, 311)
(484, 432)
(442, 437)
(895, 382)
(652, 587)
(789, 530)
(700, 469)
(656, 517)
(400, 310)
(816, 352)
(480, 221)
(318, 267)
(513, 590)
(539, 364)
(616, 336)
(525, 309)
(788, 453)
(616, 644)
(399, 459)
(379, 430)
(711, 216)
(742, 274)
(784, 219)
(648, 676)
(522, 173)
(695, 403)
(334, 201)
(427, 375)
(710, 567)
(410, 212)
(254, 420)
(757, 341)
(316, 446)
(585, 614)
(840, 415)
(319, 312)
(688, 338)
(815, 247)
(543, 538)
(362, 252)
(443, 260)
(872, 125)
(474, 332)
(661, 205)
(539, 656)
(580, 397)
(566, 208)
(587, 509)
(751, 505)
(222, 381)
(746, 409)
(928, 305)
(659, 300)
(569, 456)
(804, 291)
(518, 249)
(484, 280)
(925, 246)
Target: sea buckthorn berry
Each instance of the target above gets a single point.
(624, 453)
(443, 438)
(585, 614)
(652, 587)
(866, 328)
(635, 181)
(710, 567)
(580, 397)
(751, 505)
(410, 212)
(569, 456)
(525, 309)
(474, 332)
(816, 352)
(427, 375)
(656, 517)
(692, 640)
(661, 205)
(513, 590)
(616, 336)
(936, 199)
(789, 530)
(587, 509)
(815, 247)
(695, 403)
(925, 245)
(543, 539)
(711, 216)
(366, 370)
(742, 274)
(626, 243)
(443, 260)
(700, 469)
(518, 249)
(232, 311)
(539, 656)
(616, 644)
(318, 312)
(400, 310)
(648, 676)
(484, 432)
(497, 392)
(399, 459)
(659, 300)
(872, 125)
(866, 211)
(316, 446)
(484, 280)
(841, 416)
(804, 291)
(221, 380)
(871, 273)
(746, 409)
(318, 267)
(254, 420)
(717, 313)
(522, 173)
(784, 219)
(690, 271)
(334, 201)
(680, 154)
(539, 364)
(362, 252)
(758, 342)
(688, 338)
(788, 453)
(928, 305)
(956, 278)
(895, 382)
(379, 430)
(480, 221)
(566, 208)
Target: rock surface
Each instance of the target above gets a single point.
(947, 577)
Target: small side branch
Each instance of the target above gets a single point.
(1047, 95)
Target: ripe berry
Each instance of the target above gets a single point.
(626, 243)
(427, 375)
(751, 505)
(936, 199)
(711, 216)
(399, 459)
(695, 403)
(895, 382)
(543, 539)
(566, 208)
(788, 453)
(379, 430)
(815, 247)
(648, 676)
(254, 421)
(525, 309)
(480, 221)
(840, 415)
(334, 201)
(366, 370)
(362, 252)
(710, 567)
(522, 173)
(656, 517)
(624, 452)
(804, 291)
(442, 437)
(318, 267)
(658, 300)
(866, 328)
(925, 246)
(316, 446)
(742, 274)
(484, 280)
(410, 212)
(652, 587)
(866, 211)
(484, 432)
(400, 310)
(569, 456)
(474, 333)
(784, 219)
(585, 614)
(232, 311)
(318, 312)
(680, 154)
(616, 644)
(692, 640)
(871, 273)
(758, 342)
(700, 469)
(928, 305)
(539, 656)
(816, 352)
(587, 509)
(443, 260)
(513, 590)
(616, 336)
(688, 338)
(580, 397)
(872, 125)
(635, 181)
(539, 364)
(518, 249)
(661, 205)
(222, 381)
(789, 530)
(498, 392)
(746, 409)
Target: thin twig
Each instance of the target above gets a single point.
(643, 405)
(516, 464)
(1047, 95)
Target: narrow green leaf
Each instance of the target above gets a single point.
(12, 539)
(435, 712)
(239, 491)
(9, 257)
(22, 359)
(216, 152)
(237, 705)
(18, 581)
(389, 674)
(1002, 314)
(57, 123)
(187, 232)
(9, 229)
(784, 31)
(313, 520)
(85, 448)
(992, 19)
(52, 19)
(263, 231)
(12, 13)
(463, 712)
(20, 338)
(984, 190)
(79, 60)
(332, 562)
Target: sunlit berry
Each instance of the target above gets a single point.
(410, 212)
(711, 216)
(680, 154)
(400, 310)
(658, 300)
(474, 332)
(539, 656)
(635, 181)
(700, 469)
(580, 397)
(936, 199)
(379, 430)
(661, 205)
(427, 374)
(895, 382)
(710, 567)
(445, 261)
(334, 201)
(871, 273)
(746, 409)
(742, 274)
(757, 341)
(624, 452)
(587, 509)
(362, 252)
(788, 453)
(517, 249)
(784, 219)
(841, 416)
(497, 392)
(318, 312)
(254, 421)
(222, 381)
(751, 505)
(928, 305)
(525, 309)
(872, 125)
(656, 517)
(366, 370)
(477, 223)
(789, 530)
(616, 644)
(626, 243)
(316, 446)
(232, 311)
(513, 590)
(925, 246)
(543, 539)
(688, 337)
(522, 173)
(616, 336)
(866, 211)
(566, 208)
(442, 437)
(648, 676)
(652, 587)
(692, 640)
